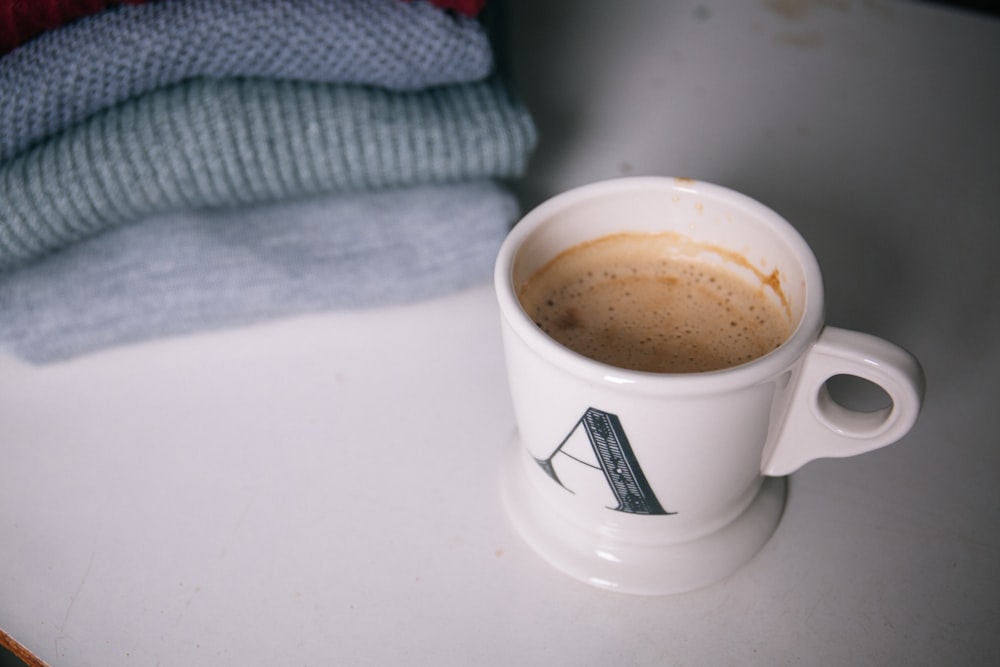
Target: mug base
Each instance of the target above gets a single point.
(641, 569)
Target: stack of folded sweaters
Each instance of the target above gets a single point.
(172, 166)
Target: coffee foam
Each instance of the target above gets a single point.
(653, 302)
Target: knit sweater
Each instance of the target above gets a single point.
(21, 20)
(65, 75)
(195, 271)
(221, 142)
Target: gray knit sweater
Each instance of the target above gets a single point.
(65, 75)
(213, 143)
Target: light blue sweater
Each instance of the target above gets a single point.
(186, 272)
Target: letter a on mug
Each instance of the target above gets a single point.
(597, 443)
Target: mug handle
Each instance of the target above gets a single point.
(815, 426)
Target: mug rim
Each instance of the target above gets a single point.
(762, 368)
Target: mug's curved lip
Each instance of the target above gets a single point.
(747, 374)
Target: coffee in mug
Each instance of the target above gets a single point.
(651, 302)
(655, 427)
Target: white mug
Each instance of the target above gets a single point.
(656, 483)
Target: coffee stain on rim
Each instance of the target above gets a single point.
(771, 280)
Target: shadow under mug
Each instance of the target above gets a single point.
(658, 483)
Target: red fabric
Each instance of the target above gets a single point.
(469, 8)
(22, 20)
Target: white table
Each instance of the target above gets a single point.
(324, 490)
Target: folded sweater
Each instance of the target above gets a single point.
(184, 272)
(21, 20)
(63, 76)
(221, 142)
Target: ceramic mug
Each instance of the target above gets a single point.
(657, 483)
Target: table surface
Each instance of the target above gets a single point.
(323, 490)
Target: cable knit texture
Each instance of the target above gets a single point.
(185, 272)
(65, 75)
(212, 143)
